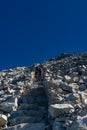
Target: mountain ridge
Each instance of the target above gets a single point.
(59, 102)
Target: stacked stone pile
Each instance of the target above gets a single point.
(59, 102)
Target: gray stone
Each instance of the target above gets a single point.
(73, 98)
(68, 79)
(66, 87)
(74, 86)
(83, 97)
(7, 107)
(82, 87)
(76, 79)
(3, 120)
(59, 109)
(13, 100)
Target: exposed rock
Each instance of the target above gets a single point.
(3, 120)
(68, 79)
(66, 87)
(23, 99)
(7, 107)
(59, 109)
(83, 97)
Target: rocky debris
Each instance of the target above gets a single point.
(66, 83)
(56, 102)
(79, 124)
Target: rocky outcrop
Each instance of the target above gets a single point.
(66, 83)
(59, 102)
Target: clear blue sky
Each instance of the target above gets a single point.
(32, 31)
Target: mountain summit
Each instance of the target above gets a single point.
(58, 102)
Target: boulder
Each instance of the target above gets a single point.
(73, 98)
(82, 87)
(70, 88)
(68, 79)
(13, 100)
(74, 86)
(59, 109)
(76, 79)
(83, 97)
(66, 87)
(3, 120)
(7, 107)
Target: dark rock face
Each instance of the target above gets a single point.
(55, 103)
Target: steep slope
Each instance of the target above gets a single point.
(66, 88)
(59, 102)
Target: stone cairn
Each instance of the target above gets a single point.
(59, 102)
